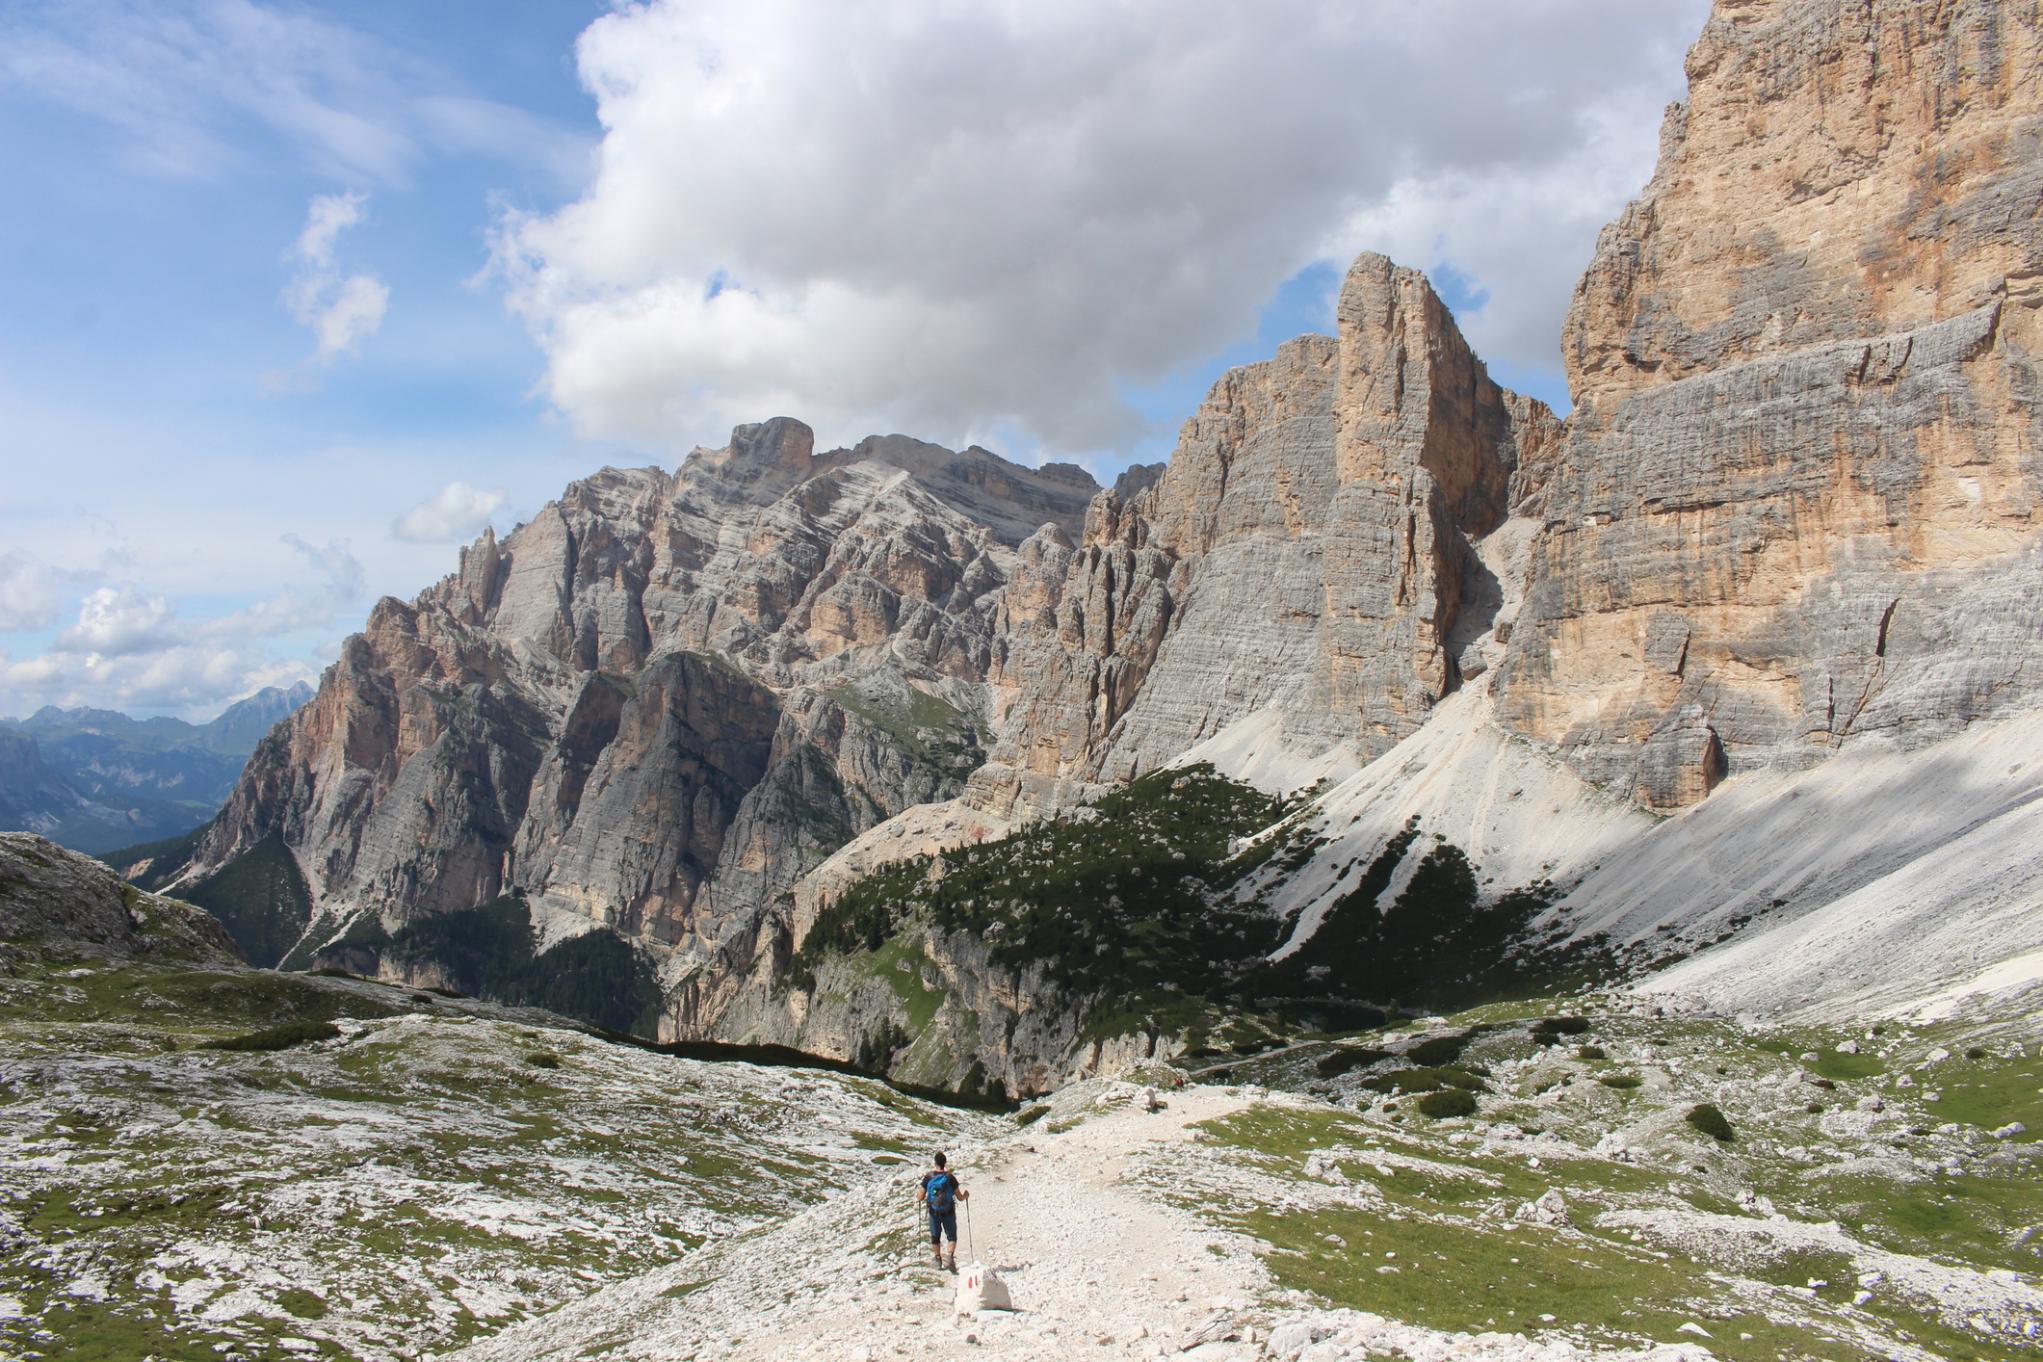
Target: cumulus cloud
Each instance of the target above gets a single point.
(191, 680)
(117, 621)
(951, 221)
(342, 312)
(455, 513)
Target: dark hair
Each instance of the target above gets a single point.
(939, 1158)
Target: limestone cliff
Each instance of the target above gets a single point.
(1307, 552)
(1799, 496)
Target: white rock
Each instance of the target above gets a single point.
(1549, 1209)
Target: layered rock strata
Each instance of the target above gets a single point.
(1800, 490)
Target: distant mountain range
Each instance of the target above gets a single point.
(97, 779)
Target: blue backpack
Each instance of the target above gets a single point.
(942, 1191)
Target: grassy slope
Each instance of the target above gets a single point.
(1682, 1230)
(438, 1171)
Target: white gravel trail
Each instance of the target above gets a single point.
(1097, 1269)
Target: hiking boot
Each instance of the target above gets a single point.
(950, 1264)
(937, 1254)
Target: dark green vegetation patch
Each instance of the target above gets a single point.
(1708, 1118)
(282, 1037)
(1118, 901)
(260, 897)
(1448, 1102)
(1437, 944)
(1348, 1059)
(1140, 905)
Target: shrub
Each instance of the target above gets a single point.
(1974, 1052)
(1707, 1118)
(1619, 1080)
(279, 1037)
(1448, 1102)
(1590, 1052)
(1440, 1049)
(540, 1059)
(1028, 1116)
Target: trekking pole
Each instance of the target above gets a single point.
(971, 1249)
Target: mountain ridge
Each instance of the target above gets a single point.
(99, 780)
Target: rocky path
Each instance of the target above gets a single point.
(1096, 1267)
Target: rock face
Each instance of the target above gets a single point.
(1307, 552)
(1799, 495)
(56, 905)
(657, 705)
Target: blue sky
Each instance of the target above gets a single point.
(1046, 233)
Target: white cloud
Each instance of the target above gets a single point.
(455, 513)
(353, 315)
(327, 217)
(118, 621)
(133, 650)
(194, 681)
(341, 312)
(949, 221)
(336, 583)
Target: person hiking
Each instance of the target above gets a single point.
(941, 1192)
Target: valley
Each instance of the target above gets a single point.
(1414, 876)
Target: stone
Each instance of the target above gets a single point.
(1796, 507)
(1307, 552)
(1550, 1208)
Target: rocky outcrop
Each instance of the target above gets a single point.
(58, 906)
(1800, 493)
(1308, 551)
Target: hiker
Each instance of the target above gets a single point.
(941, 1192)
